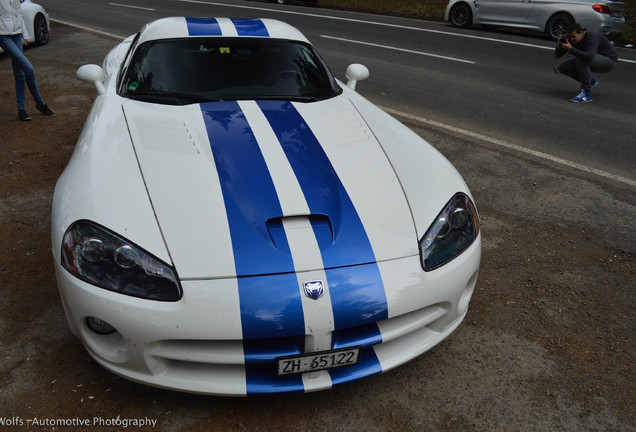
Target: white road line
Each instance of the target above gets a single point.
(489, 39)
(89, 30)
(131, 7)
(514, 147)
(398, 49)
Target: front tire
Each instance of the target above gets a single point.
(558, 24)
(40, 30)
(461, 15)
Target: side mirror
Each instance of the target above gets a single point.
(356, 72)
(92, 74)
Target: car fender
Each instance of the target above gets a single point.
(415, 162)
(112, 191)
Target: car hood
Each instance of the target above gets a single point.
(228, 180)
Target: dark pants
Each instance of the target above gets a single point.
(581, 71)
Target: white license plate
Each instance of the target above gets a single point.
(318, 361)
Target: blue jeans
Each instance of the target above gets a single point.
(582, 72)
(22, 69)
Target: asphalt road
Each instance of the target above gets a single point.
(495, 84)
(547, 343)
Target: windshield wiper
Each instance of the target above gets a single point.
(287, 98)
(176, 98)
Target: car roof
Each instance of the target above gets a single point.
(187, 27)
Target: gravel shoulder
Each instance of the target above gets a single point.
(548, 343)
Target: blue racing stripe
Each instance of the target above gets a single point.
(270, 307)
(357, 292)
(263, 378)
(268, 304)
(248, 191)
(250, 27)
(203, 27)
(369, 365)
(269, 296)
(357, 295)
(364, 335)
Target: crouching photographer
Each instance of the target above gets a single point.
(592, 52)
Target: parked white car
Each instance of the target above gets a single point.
(36, 21)
(234, 220)
(552, 17)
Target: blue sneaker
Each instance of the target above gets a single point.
(583, 97)
(593, 82)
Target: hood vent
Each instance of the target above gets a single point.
(321, 225)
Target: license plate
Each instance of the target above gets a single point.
(318, 361)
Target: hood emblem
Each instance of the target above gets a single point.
(314, 289)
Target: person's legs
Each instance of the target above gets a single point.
(23, 71)
(602, 64)
(569, 68)
(8, 44)
(582, 72)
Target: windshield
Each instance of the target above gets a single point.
(183, 71)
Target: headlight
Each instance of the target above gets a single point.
(102, 258)
(455, 228)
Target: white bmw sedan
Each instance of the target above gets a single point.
(234, 220)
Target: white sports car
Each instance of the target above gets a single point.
(234, 220)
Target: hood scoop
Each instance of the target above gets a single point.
(320, 224)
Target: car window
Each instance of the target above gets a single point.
(181, 71)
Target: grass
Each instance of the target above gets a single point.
(434, 10)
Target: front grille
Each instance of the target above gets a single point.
(227, 353)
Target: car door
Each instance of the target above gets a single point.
(503, 12)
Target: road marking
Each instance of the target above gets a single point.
(131, 7)
(509, 146)
(89, 30)
(489, 39)
(398, 49)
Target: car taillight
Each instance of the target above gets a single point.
(604, 9)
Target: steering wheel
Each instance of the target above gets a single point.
(279, 76)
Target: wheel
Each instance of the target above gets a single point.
(558, 24)
(41, 30)
(461, 15)
(279, 1)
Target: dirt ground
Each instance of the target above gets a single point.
(548, 343)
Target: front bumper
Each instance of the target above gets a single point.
(196, 344)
